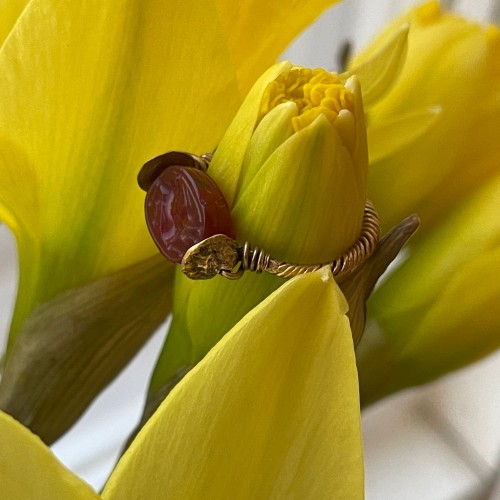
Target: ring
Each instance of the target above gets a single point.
(203, 256)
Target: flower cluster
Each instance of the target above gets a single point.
(261, 373)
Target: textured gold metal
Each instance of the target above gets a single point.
(220, 254)
(210, 257)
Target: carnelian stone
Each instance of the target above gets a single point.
(183, 207)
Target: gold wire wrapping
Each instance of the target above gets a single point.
(258, 260)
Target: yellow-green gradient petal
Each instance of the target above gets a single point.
(454, 64)
(29, 470)
(470, 303)
(438, 311)
(272, 24)
(10, 12)
(271, 412)
(271, 215)
(470, 232)
(86, 97)
(226, 168)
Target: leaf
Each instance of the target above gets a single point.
(72, 346)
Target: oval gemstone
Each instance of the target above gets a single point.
(183, 207)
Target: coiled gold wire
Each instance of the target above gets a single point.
(258, 260)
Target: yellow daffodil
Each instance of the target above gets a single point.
(293, 167)
(438, 311)
(433, 137)
(271, 411)
(98, 89)
(89, 93)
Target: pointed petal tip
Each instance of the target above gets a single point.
(410, 224)
(28, 469)
(326, 274)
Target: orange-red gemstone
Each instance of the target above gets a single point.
(183, 207)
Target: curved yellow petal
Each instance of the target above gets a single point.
(86, 97)
(271, 412)
(471, 231)
(10, 12)
(438, 310)
(311, 183)
(227, 168)
(272, 24)
(463, 323)
(381, 66)
(29, 470)
(452, 63)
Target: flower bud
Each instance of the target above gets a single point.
(433, 137)
(439, 310)
(293, 168)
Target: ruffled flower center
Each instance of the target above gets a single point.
(314, 91)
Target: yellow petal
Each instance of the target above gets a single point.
(271, 412)
(273, 130)
(11, 10)
(381, 66)
(310, 184)
(454, 64)
(471, 231)
(86, 97)
(226, 168)
(462, 325)
(437, 311)
(29, 470)
(395, 134)
(272, 24)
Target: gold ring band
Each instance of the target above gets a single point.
(222, 255)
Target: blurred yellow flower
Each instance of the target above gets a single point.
(438, 311)
(433, 137)
(441, 159)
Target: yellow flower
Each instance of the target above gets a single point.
(271, 411)
(293, 167)
(86, 98)
(433, 137)
(439, 310)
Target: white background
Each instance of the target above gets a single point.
(438, 442)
